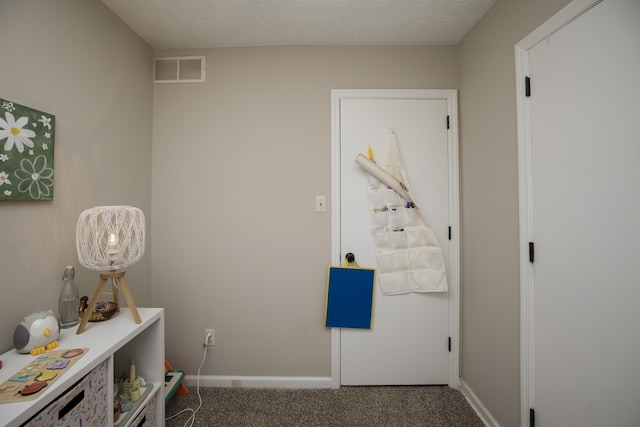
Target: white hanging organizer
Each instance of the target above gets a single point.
(407, 252)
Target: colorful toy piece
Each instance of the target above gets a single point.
(46, 376)
(60, 364)
(37, 333)
(33, 388)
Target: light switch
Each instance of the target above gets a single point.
(321, 204)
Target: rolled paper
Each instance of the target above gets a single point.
(383, 176)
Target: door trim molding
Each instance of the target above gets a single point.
(451, 98)
(527, 369)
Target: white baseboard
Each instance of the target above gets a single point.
(258, 382)
(477, 405)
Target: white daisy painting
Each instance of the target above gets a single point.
(26, 152)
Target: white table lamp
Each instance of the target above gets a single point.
(109, 239)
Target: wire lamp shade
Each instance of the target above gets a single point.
(108, 240)
(110, 237)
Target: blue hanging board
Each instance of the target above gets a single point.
(349, 301)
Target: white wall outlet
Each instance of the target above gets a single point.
(321, 204)
(209, 337)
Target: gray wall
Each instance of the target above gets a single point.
(78, 61)
(237, 163)
(489, 187)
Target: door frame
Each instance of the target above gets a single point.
(453, 269)
(525, 181)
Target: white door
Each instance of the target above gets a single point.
(408, 342)
(585, 220)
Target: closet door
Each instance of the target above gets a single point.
(585, 187)
(408, 342)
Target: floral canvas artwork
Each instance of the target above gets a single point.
(26, 152)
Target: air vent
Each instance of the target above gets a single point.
(179, 69)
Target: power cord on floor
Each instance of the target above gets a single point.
(192, 417)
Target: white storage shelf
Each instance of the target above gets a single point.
(117, 341)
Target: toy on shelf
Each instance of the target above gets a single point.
(41, 371)
(102, 311)
(37, 333)
(174, 382)
(130, 384)
(129, 392)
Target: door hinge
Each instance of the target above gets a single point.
(448, 122)
(449, 232)
(532, 417)
(531, 252)
(449, 344)
(527, 86)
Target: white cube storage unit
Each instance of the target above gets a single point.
(89, 383)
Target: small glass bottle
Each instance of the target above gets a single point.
(69, 301)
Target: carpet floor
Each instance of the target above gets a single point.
(345, 406)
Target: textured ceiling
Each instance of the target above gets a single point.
(167, 24)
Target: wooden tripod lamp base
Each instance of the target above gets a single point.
(124, 287)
